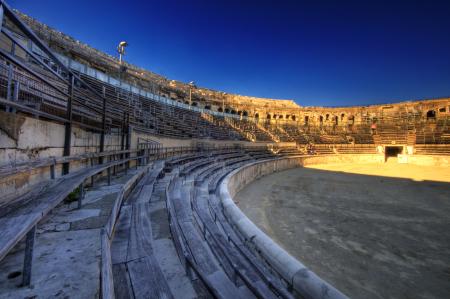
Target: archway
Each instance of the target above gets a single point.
(351, 119)
(431, 114)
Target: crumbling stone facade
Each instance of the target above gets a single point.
(274, 110)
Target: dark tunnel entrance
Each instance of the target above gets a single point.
(392, 151)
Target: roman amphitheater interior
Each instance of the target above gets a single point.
(116, 182)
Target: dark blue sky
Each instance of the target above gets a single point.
(315, 52)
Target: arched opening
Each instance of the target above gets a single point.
(280, 117)
(336, 120)
(220, 109)
(239, 113)
(294, 117)
(306, 119)
(268, 116)
(342, 116)
(275, 116)
(431, 114)
(233, 111)
(195, 104)
(256, 115)
(327, 117)
(351, 119)
(245, 113)
(321, 119)
(227, 110)
(208, 107)
(288, 116)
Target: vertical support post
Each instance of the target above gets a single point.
(52, 172)
(102, 137)
(81, 197)
(15, 96)
(68, 125)
(128, 141)
(9, 84)
(93, 176)
(28, 258)
(122, 140)
(109, 176)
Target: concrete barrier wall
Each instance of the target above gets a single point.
(24, 138)
(426, 160)
(303, 281)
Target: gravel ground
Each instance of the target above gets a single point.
(371, 230)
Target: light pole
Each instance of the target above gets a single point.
(121, 50)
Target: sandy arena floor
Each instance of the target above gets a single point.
(371, 230)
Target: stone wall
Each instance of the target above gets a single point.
(27, 139)
(254, 171)
(425, 160)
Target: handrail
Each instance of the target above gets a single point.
(21, 25)
(12, 169)
(159, 152)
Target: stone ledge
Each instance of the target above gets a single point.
(302, 280)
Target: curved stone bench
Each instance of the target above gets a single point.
(302, 280)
